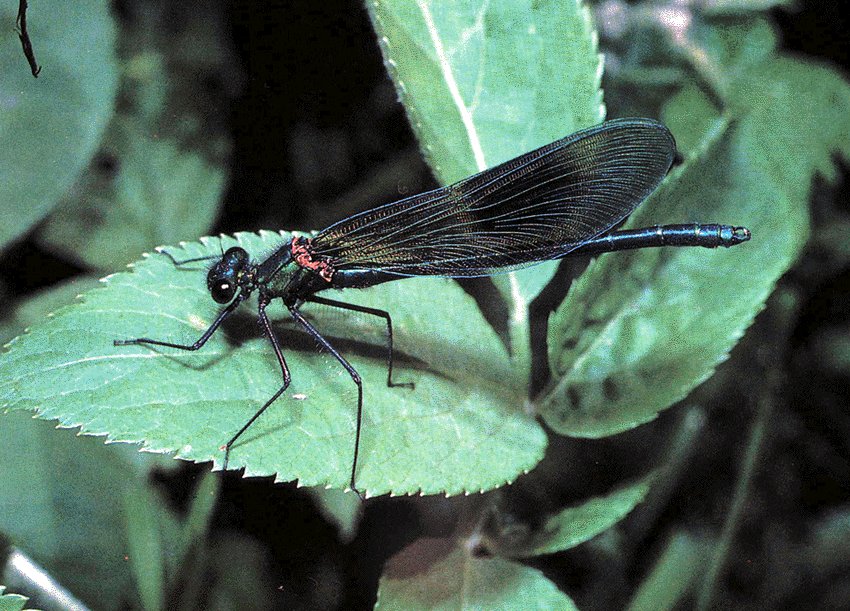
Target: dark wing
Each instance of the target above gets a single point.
(536, 207)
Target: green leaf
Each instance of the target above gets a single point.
(51, 125)
(736, 44)
(640, 330)
(160, 193)
(637, 330)
(439, 574)
(11, 602)
(34, 309)
(144, 546)
(720, 49)
(59, 505)
(460, 430)
(575, 525)
(486, 81)
(693, 118)
(799, 118)
(200, 513)
(161, 547)
(677, 569)
(483, 82)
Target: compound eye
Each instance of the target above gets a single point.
(222, 291)
(235, 257)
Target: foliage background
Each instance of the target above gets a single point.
(289, 103)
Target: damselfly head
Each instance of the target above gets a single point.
(223, 277)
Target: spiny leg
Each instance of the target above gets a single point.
(191, 260)
(374, 312)
(201, 340)
(267, 329)
(293, 310)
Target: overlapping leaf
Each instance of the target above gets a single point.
(640, 330)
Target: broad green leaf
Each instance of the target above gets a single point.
(58, 503)
(575, 525)
(37, 307)
(460, 430)
(51, 126)
(626, 341)
(144, 545)
(159, 193)
(640, 330)
(681, 563)
(440, 574)
(486, 81)
(11, 602)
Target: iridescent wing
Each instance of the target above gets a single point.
(536, 207)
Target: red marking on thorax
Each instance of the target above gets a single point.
(303, 255)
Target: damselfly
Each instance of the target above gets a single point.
(562, 199)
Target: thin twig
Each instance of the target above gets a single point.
(21, 25)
